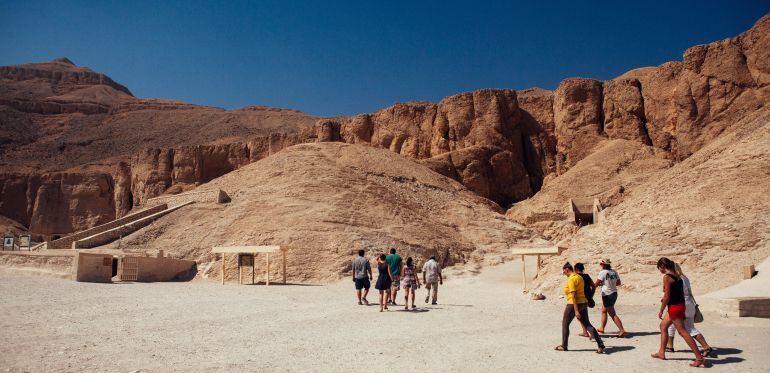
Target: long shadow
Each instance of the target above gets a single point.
(636, 334)
(725, 351)
(418, 310)
(727, 360)
(262, 283)
(457, 305)
(613, 349)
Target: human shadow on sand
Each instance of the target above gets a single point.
(417, 310)
(613, 349)
(262, 283)
(632, 334)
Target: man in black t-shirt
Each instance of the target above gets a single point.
(589, 289)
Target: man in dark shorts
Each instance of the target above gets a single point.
(362, 275)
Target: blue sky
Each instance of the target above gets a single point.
(342, 58)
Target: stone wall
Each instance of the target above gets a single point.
(164, 269)
(93, 267)
(66, 242)
(214, 195)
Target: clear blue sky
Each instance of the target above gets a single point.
(335, 57)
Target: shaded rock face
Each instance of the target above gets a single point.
(154, 171)
(577, 111)
(57, 203)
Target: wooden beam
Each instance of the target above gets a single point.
(223, 268)
(253, 270)
(240, 271)
(524, 273)
(539, 262)
(245, 249)
(267, 269)
(284, 266)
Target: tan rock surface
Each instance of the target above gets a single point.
(328, 200)
(709, 212)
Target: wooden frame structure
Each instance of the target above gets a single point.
(252, 250)
(539, 251)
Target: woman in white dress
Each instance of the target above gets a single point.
(689, 318)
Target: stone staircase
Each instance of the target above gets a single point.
(108, 232)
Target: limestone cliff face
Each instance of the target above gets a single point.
(57, 203)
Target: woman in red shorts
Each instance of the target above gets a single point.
(673, 298)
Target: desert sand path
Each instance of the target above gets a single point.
(482, 323)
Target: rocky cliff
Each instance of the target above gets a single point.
(504, 145)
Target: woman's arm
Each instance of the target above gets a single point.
(666, 295)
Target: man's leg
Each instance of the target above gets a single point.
(427, 292)
(366, 292)
(435, 292)
(358, 294)
(569, 314)
(587, 323)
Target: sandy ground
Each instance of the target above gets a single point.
(482, 323)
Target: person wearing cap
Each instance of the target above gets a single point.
(431, 276)
(577, 307)
(609, 280)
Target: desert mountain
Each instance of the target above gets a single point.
(326, 201)
(78, 149)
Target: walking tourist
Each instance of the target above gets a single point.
(362, 274)
(689, 317)
(673, 298)
(394, 261)
(384, 281)
(577, 306)
(589, 289)
(609, 280)
(431, 276)
(411, 282)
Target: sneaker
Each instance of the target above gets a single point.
(427, 299)
(434, 303)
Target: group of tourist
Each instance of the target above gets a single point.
(392, 274)
(677, 300)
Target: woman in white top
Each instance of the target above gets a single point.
(689, 317)
(609, 280)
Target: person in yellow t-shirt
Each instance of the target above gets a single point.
(577, 306)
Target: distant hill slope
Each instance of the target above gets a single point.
(711, 212)
(328, 200)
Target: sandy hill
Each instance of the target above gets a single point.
(328, 200)
(710, 212)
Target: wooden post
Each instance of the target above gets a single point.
(223, 268)
(539, 262)
(284, 265)
(253, 270)
(267, 269)
(240, 271)
(523, 273)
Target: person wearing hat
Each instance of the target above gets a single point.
(609, 280)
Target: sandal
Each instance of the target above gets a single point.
(560, 348)
(601, 331)
(707, 352)
(656, 356)
(600, 350)
(623, 334)
(697, 363)
(584, 335)
(670, 349)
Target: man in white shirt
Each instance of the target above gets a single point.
(609, 280)
(431, 276)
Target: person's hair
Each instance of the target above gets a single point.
(409, 261)
(393, 251)
(382, 256)
(580, 267)
(678, 270)
(607, 265)
(433, 257)
(666, 263)
(567, 266)
(361, 252)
